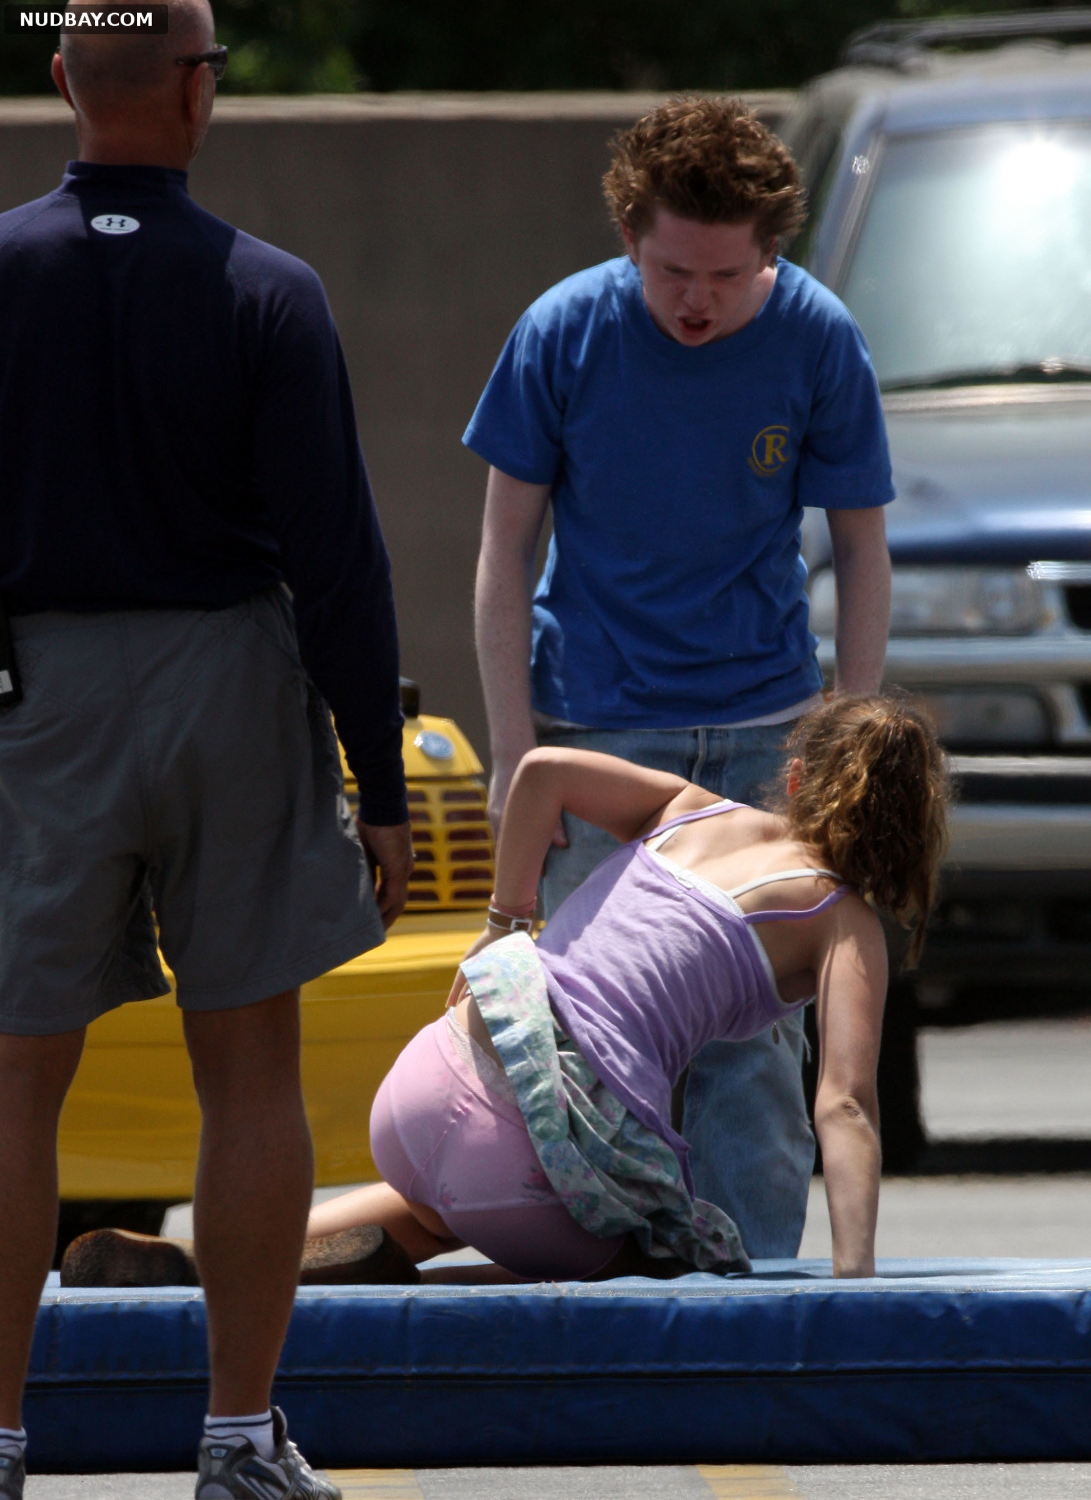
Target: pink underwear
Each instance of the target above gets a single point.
(441, 1136)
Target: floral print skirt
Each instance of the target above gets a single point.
(613, 1173)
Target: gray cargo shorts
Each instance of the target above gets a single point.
(170, 769)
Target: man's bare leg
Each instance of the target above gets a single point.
(254, 1181)
(35, 1072)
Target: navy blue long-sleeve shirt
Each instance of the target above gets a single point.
(177, 431)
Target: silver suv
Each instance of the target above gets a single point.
(949, 171)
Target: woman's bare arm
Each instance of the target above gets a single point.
(852, 983)
(613, 794)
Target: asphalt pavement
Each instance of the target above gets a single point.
(704, 1482)
(1006, 1108)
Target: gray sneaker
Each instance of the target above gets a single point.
(13, 1473)
(230, 1469)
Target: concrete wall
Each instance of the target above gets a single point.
(433, 221)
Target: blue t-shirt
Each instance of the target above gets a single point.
(673, 592)
(177, 431)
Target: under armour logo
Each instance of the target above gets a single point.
(114, 223)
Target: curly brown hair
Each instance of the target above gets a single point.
(706, 159)
(871, 797)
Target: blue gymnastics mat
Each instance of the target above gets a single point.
(932, 1361)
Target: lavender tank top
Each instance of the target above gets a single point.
(642, 970)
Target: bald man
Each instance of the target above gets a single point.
(191, 571)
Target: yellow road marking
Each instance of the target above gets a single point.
(724, 1481)
(377, 1484)
(748, 1482)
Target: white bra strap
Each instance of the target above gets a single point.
(752, 885)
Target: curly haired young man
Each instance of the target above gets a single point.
(675, 409)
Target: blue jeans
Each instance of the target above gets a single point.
(752, 1150)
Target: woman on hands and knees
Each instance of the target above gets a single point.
(532, 1121)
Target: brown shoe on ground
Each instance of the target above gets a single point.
(357, 1257)
(121, 1257)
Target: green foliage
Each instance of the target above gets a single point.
(24, 62)
(283, 48)
(277, 47)
(323, 46)
(611, 44)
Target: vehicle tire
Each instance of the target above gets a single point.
(78, 1216)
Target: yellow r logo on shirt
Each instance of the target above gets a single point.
(769, 450)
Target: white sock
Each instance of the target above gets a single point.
(13, 1441)
(257, 1429)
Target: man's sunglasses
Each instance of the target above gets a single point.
(216, 59)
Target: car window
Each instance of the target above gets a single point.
(814, 133)
(974, 254)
